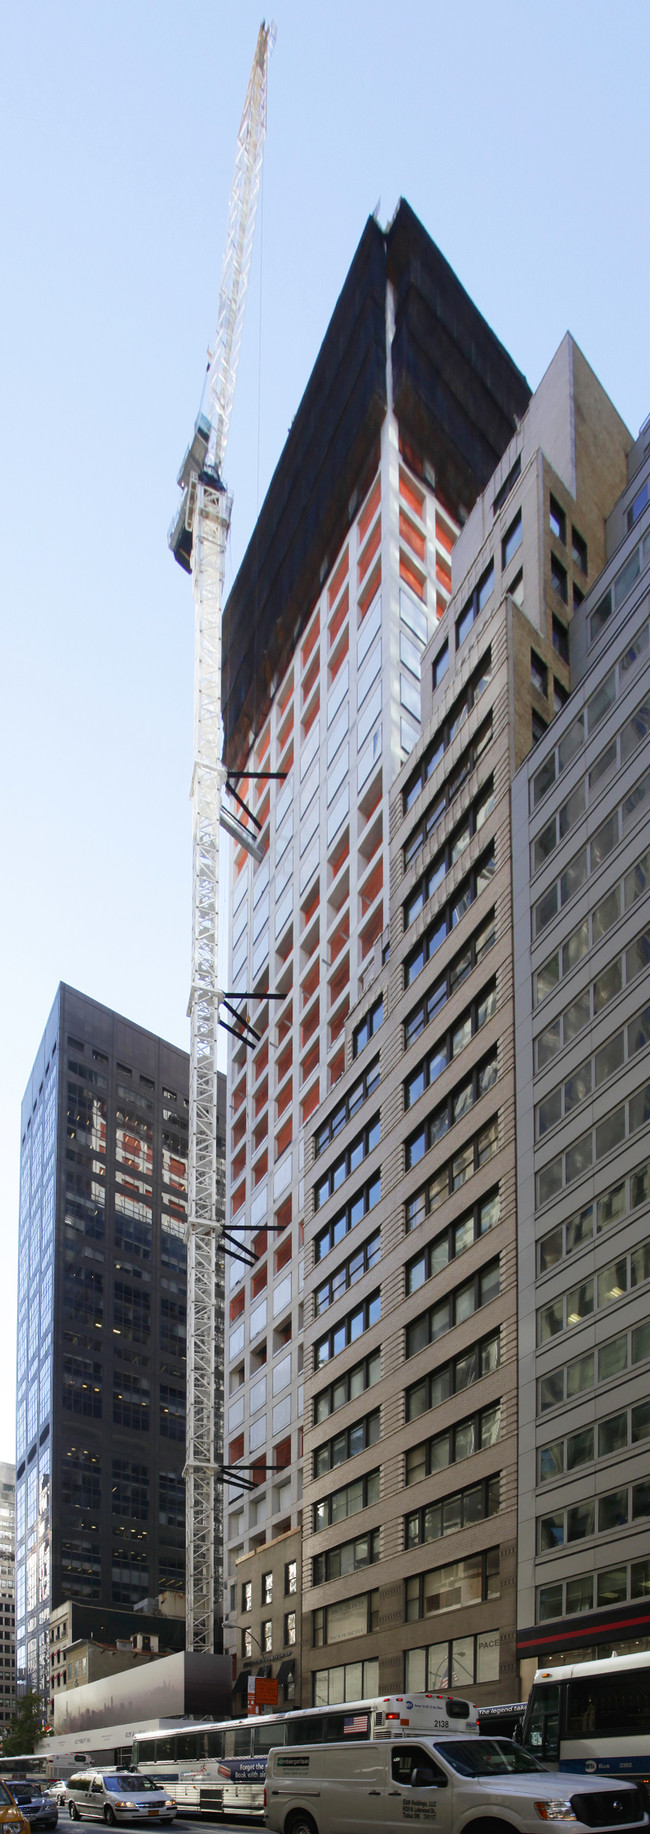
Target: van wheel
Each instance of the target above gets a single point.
(301, 1824)
(109, 1816)
(73, 1811)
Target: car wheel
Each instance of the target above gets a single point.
(73, 1812)
(109, 1816)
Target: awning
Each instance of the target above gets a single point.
(285, 1670)
(241, 1684)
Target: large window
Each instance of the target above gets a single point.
(457, 1442)
(605, 1288)
(348, 1329)
(461, 1509)
(348, 1557)
(454, 1308)
(434, 1255)
(347, 1387)
(346, 1502)
(130, 1489)
(452, 1377)
(451, 1587)
(131, 1399)
(460, 1663)
(349, 1617)
(449, 1046)
(457, 1104)
(347, 1444)
(348, 1162)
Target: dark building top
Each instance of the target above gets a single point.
(458, 397)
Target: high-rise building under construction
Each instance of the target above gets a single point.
(384, 691)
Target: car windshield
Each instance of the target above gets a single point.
(130, 1784)
(24, 1792)
(487, 1757)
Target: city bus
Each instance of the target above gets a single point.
(592, 1717)
(219, 1767)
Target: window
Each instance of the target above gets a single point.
(511, 541)
(557, 520)
(628, 1427)
(447, 730)
(507, 485)
(450, 1045)
(349, 1557)
(579, 551)
(348, 1273)
(450, 1587)
(611, 1284)
(347, 1444)
(538, 726)
(347, 1387)
(347, 1330)
(358, 1150)
(346, 1502)
(471, 824)
(594, 1072)
(469, 1228)
(289, 1629)
(367, 1027)
(559, 579)
(346, 1108)
(475, 603)
(340, 1226)
(454, 1309)
(560, 695)
(616, 1509)
(448, 792)
(290, 1578)
(459, 968)
(606, 914)
(538, 673)
(638, 504)
(460, 1441)
(247, 1595)
(440, 665)
(351, 1617)
(453, 1174)
(267, 1636)
(459, 1510)
(452, 1377)
(267, 1588)
(130, 1491)
(455, 1663)
(456, 1104)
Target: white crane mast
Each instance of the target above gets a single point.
(207, 510)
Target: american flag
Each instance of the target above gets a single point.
(355, 1722)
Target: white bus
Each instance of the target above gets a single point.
(220, 1767)
(592, 1717)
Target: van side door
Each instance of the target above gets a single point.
(96, 1799)
(419, 1792)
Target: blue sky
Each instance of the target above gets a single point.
(519, 134)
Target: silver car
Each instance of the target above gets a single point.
(118, 1795)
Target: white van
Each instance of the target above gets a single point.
(448, 1782)
(118, 1795)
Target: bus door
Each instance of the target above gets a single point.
(542, 1729)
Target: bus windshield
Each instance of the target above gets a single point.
(609, 1706)
(486, 1757)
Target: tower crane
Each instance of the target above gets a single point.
(198, 538)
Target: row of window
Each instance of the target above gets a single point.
(592, 1295)
(459, 1441)
(589, 719)
(81, 1487)
(480, 808)
(601, 1516)
(622, 584)
(348, 1273)
(613, 1586)
(629, 1427)
(622, 1199)
(347, 1444)
(449, 915)
(266, 1586)
(459, 968)
(471, 1021)
(451, 1587)
(347, 1330)
(589, 1004)
(347, 1387)
(348, 1557)
(82, 1395)
(347, 1219)
(459, 711)
(589, 858)
(349, 1617)
(453, 1175)
(353, 1156)
(608, 912)
(460, 1510)
(455, 1308)
(453, 1377)
(477, 600)
(594, 1368)
(266, 1636)
(452, 1109)
(483, 1216)
(447, 792)
(347, 1501)
(346, 1108)
(593, 1073)
(616, 754)
(459, 1663)
(622, 1123)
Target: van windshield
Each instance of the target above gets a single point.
(486, 1757)
(132, 1784)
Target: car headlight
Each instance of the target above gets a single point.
(555, 1809)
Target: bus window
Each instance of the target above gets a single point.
(609, 1706)
(211, 1743)
(265, 1736)
(542, 1727)
(187, 1747)
(164, 1750)
(306, 1731)
(242, 1742)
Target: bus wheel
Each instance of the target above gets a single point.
(109, 1816)
(301, 1823)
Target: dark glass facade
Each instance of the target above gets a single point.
(102, 1321)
